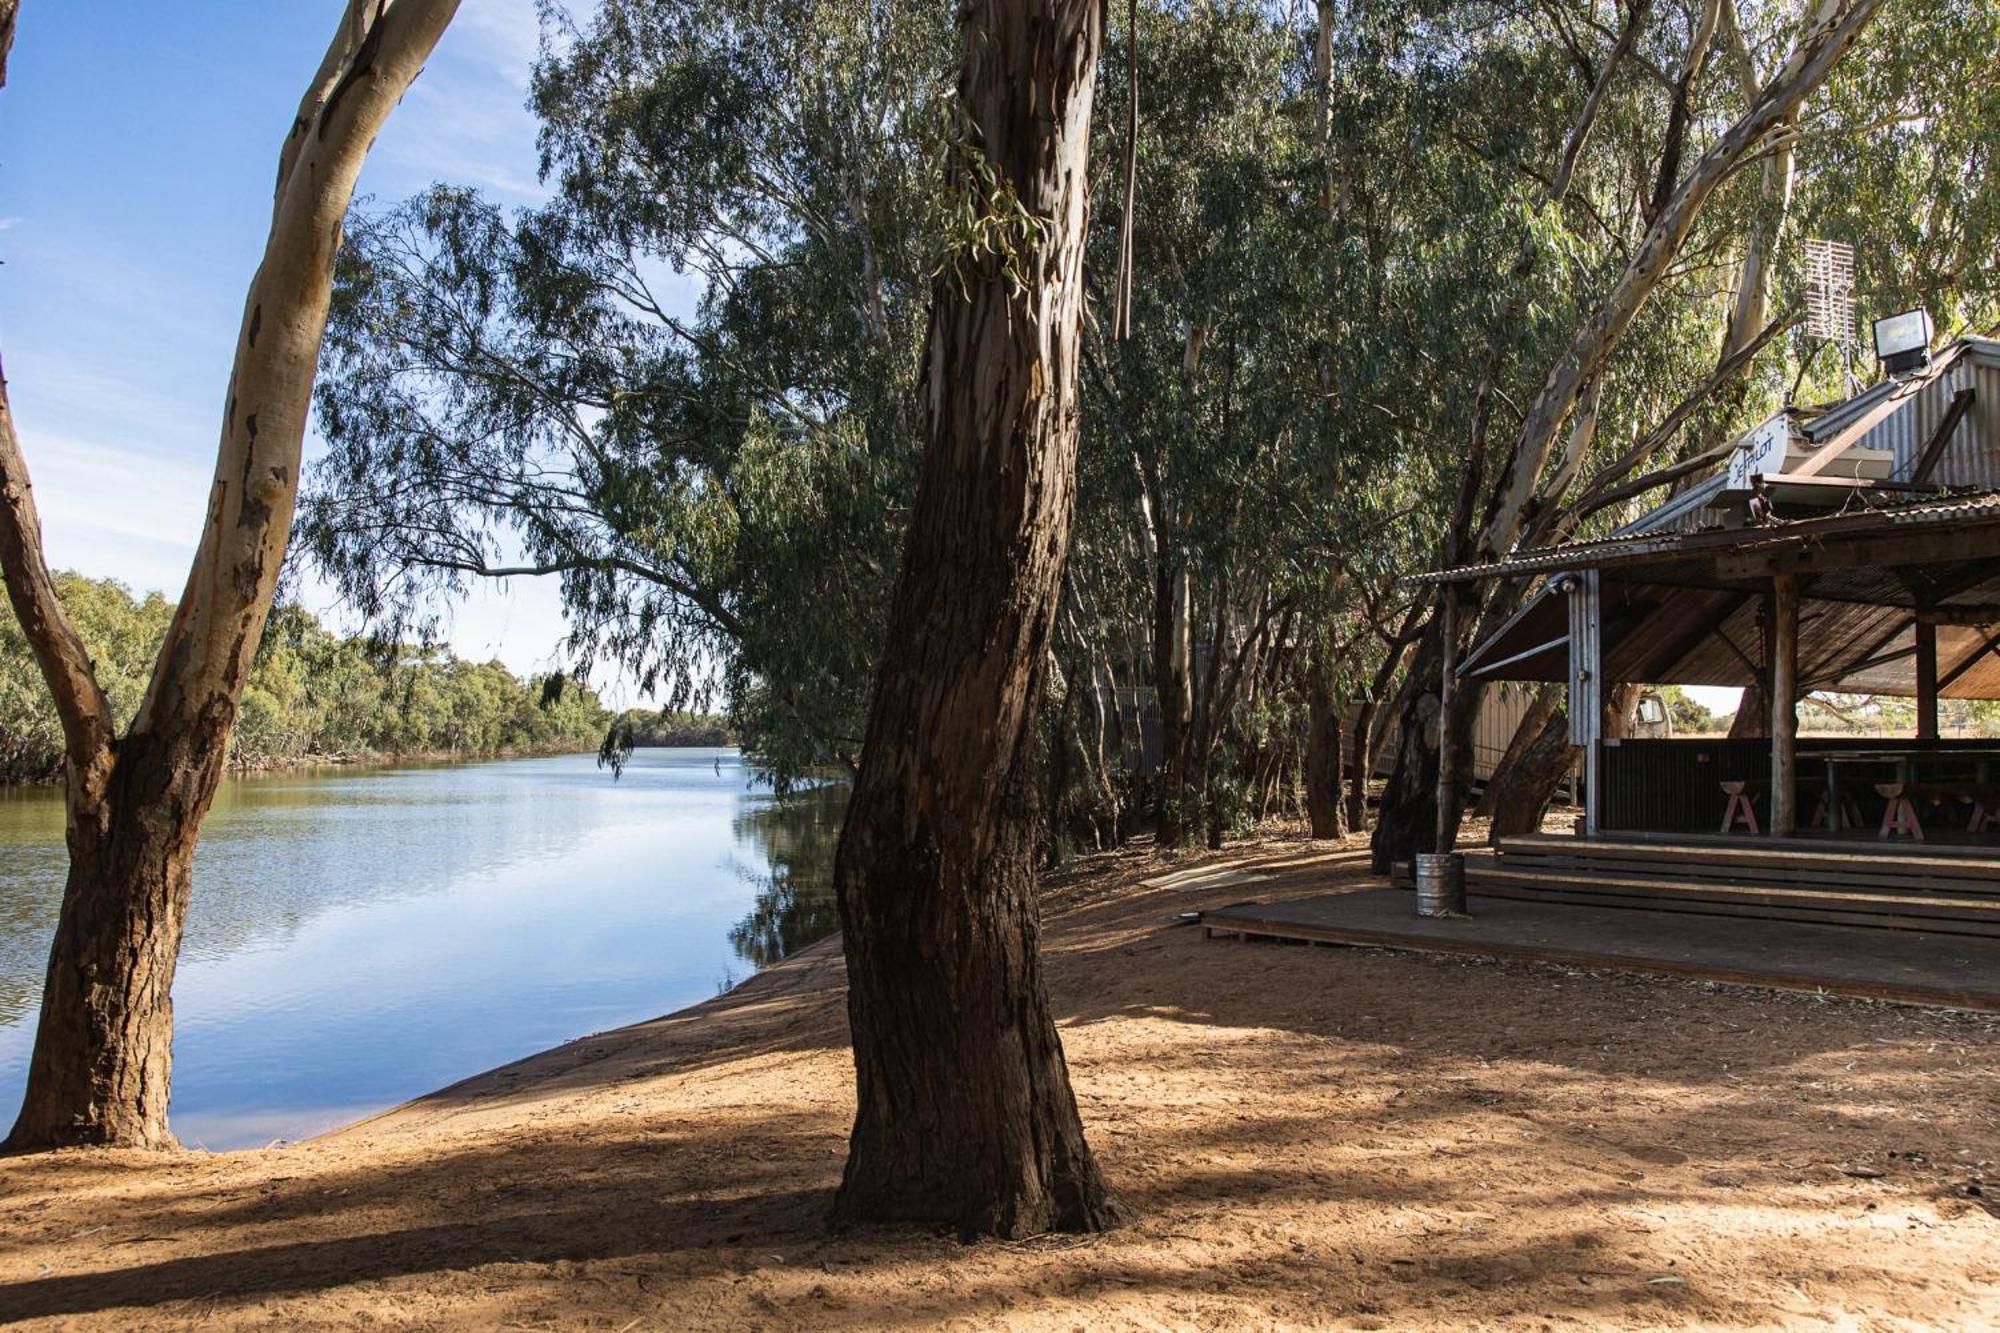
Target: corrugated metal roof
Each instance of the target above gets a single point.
(1887, 511)
(1683, 513)
(1898, 416)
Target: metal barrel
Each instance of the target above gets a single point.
(1440, 884)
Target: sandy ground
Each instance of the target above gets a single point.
(1313, 1138)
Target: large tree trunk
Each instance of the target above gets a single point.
(1173, 691)
(1522, 798)
(100, 1072)
(1360, 763)
(102, 1066)
(1324, 808)
(1753, 715)
(1508, 773)
(1407, 823)
(965, 1115)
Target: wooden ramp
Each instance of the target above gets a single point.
(1911, 966)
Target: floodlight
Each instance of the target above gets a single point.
(1903, 342)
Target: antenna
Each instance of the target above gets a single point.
(1830, 292)
(1830, 299)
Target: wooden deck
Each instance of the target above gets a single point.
(1910, 966)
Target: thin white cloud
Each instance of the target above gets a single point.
(466, 119)
(126, 514)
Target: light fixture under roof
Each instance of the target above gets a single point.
(1903, 341)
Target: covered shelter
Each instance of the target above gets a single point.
(1854, 549)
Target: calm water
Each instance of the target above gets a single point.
(359, 937)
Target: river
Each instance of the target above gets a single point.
(361, 936)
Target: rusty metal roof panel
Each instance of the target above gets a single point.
(1886, 511)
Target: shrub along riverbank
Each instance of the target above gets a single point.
(313, 696)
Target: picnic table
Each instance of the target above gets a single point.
(1901, 794)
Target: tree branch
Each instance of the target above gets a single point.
(87, 723)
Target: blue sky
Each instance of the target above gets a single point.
(137, 148)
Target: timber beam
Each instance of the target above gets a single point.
(1946, 544)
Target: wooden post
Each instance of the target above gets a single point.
(1927, 680)
(1447, 790)
(1784, 650)
(1586, 689)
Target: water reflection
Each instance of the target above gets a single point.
(795, 904)
(358, 937)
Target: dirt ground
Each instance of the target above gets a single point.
(1313, 1138)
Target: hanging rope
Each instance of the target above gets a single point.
(1121, 314)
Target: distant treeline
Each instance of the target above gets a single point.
(313, 695)
(674, 728)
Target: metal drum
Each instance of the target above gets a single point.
(1440, 883)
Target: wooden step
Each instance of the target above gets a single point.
(1906, 904)
(1692, 907)
(1870, 880)
(1864, 857)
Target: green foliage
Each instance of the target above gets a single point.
(684, 386)
(123, 635)
(1690, 717)
(681, 385)
(672, 727)
(311, 694)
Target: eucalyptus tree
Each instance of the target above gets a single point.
(1248, 435)
(965, 1113)
(1665, 188)
(101, 1067)
(680, 386)
(1190, 409)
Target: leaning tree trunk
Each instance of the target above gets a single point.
(965, 1115)
(1530, 782)
(1548, 702)
(1545, 760)
(100, 1071)
(1753, 715)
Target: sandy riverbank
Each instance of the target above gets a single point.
(1313, 1138)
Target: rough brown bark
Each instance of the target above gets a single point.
(1753, 716)
(1325, 810)
(1522, 794)
(1521, 791)
(965, 1116)
(1173, 691)
(1360, 764)
(1407, 821)
(1548, 703)
(100, 1072)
